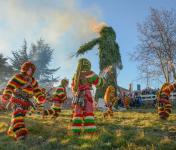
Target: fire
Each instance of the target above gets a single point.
(97, 26)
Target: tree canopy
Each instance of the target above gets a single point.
(40, 53)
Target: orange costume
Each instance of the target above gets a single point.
(126, 101)
(164, 104)
(110, 100)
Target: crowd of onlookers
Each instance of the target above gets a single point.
(134, 99)
(148, 91)
(129, 101)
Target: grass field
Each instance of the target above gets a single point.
(128, 130)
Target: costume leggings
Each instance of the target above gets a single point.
(164, 107)
(83, 118)
(17, 127)
(54, 110)
(109, 111)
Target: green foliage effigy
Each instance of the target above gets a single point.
(109, 55)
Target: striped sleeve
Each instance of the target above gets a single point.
(12, 84)
(60, 95)
(94, 79)
(36, 90)
(168, 89)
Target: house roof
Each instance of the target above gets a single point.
(123, 89)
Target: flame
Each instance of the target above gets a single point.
(97, 26)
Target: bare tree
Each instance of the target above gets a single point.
(156, 51)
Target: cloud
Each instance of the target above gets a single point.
(63, 24)
(34, 19)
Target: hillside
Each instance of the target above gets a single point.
(128, 130)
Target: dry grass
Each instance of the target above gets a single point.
(128, 130)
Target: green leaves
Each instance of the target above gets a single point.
(87, 46)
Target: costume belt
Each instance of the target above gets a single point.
(79, 100)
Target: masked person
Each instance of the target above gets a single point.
(19, 91)
(110, 100)
(164, 104)
(58, 98)
(83, 116)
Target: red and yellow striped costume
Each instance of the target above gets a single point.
(110, 100)
(83, 116)
(20, 101)
(164, 104)
(59, 97)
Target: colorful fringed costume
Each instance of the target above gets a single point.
(126, 101)
(20, 89)
(110, 100)
(83, 80)
(58, 98)
(164, 104)
(38, 107)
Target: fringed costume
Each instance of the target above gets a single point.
(20, 89)
(164, 104)
(83, 80)
(39, 108)
(110, 100)
(58, 98)
(126, 101)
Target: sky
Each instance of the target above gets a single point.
(66, 24)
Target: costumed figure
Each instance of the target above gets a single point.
(164, 104)
(19, 91)
(110, 100)
(126, 101)
(58, 98)
(38, 107)
(83, 80)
